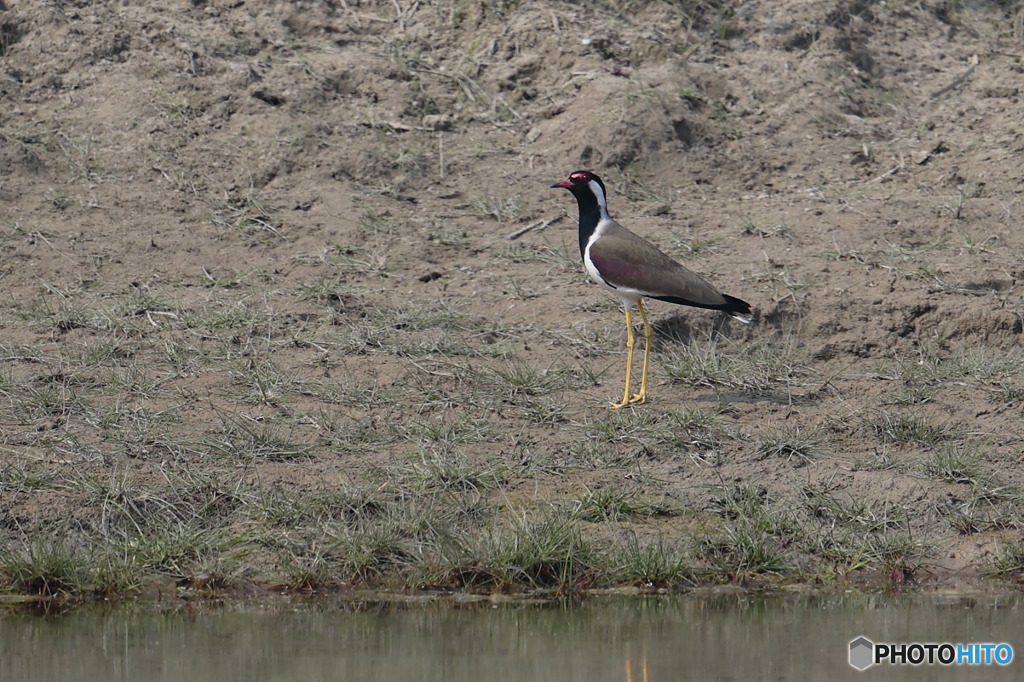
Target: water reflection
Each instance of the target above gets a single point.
(708, 637)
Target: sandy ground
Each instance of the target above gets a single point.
(293, 218)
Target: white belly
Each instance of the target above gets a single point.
(630, 297)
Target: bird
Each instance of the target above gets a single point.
(634, 269)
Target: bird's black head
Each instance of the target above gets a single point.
(583, 180)
(590, 196)
(588, 190)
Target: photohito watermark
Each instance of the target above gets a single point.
(864, 653)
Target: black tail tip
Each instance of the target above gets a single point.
(738, 308)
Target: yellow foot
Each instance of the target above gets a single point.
(635, 400)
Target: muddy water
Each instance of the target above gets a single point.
(707, 637)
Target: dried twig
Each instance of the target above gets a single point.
(958, 80)
(537, 225)
(440, 153)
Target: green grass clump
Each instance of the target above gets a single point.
(754, 540)
(521, 383)
(446, 433)
(851, 511)
(57, 565)
(658, 563)
(1009, 560)
(612, 504)
(22, 476)
(502, 209)
(46, 565)
(698, 429)
(906, 429)
(953, 463)
(443, 471)
(549, 552)
(986, 508)
(788, 443)
(370, 551)
(246, 440)
(296, 509)
(742, 551)
(755, 368)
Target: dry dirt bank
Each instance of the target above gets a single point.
(258, 284)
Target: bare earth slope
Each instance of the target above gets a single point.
(258, 283)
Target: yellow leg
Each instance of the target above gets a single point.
(630, 340)
(641, 396)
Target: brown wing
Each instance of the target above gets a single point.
(627, 260)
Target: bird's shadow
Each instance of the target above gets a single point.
(678, 329)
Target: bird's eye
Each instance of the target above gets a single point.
(582, 177)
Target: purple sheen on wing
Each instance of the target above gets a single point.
(616, 272)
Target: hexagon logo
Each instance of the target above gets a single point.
(862, 652)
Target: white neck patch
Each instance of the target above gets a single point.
(602, 202)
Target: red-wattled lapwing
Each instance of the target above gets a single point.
(635, 269)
